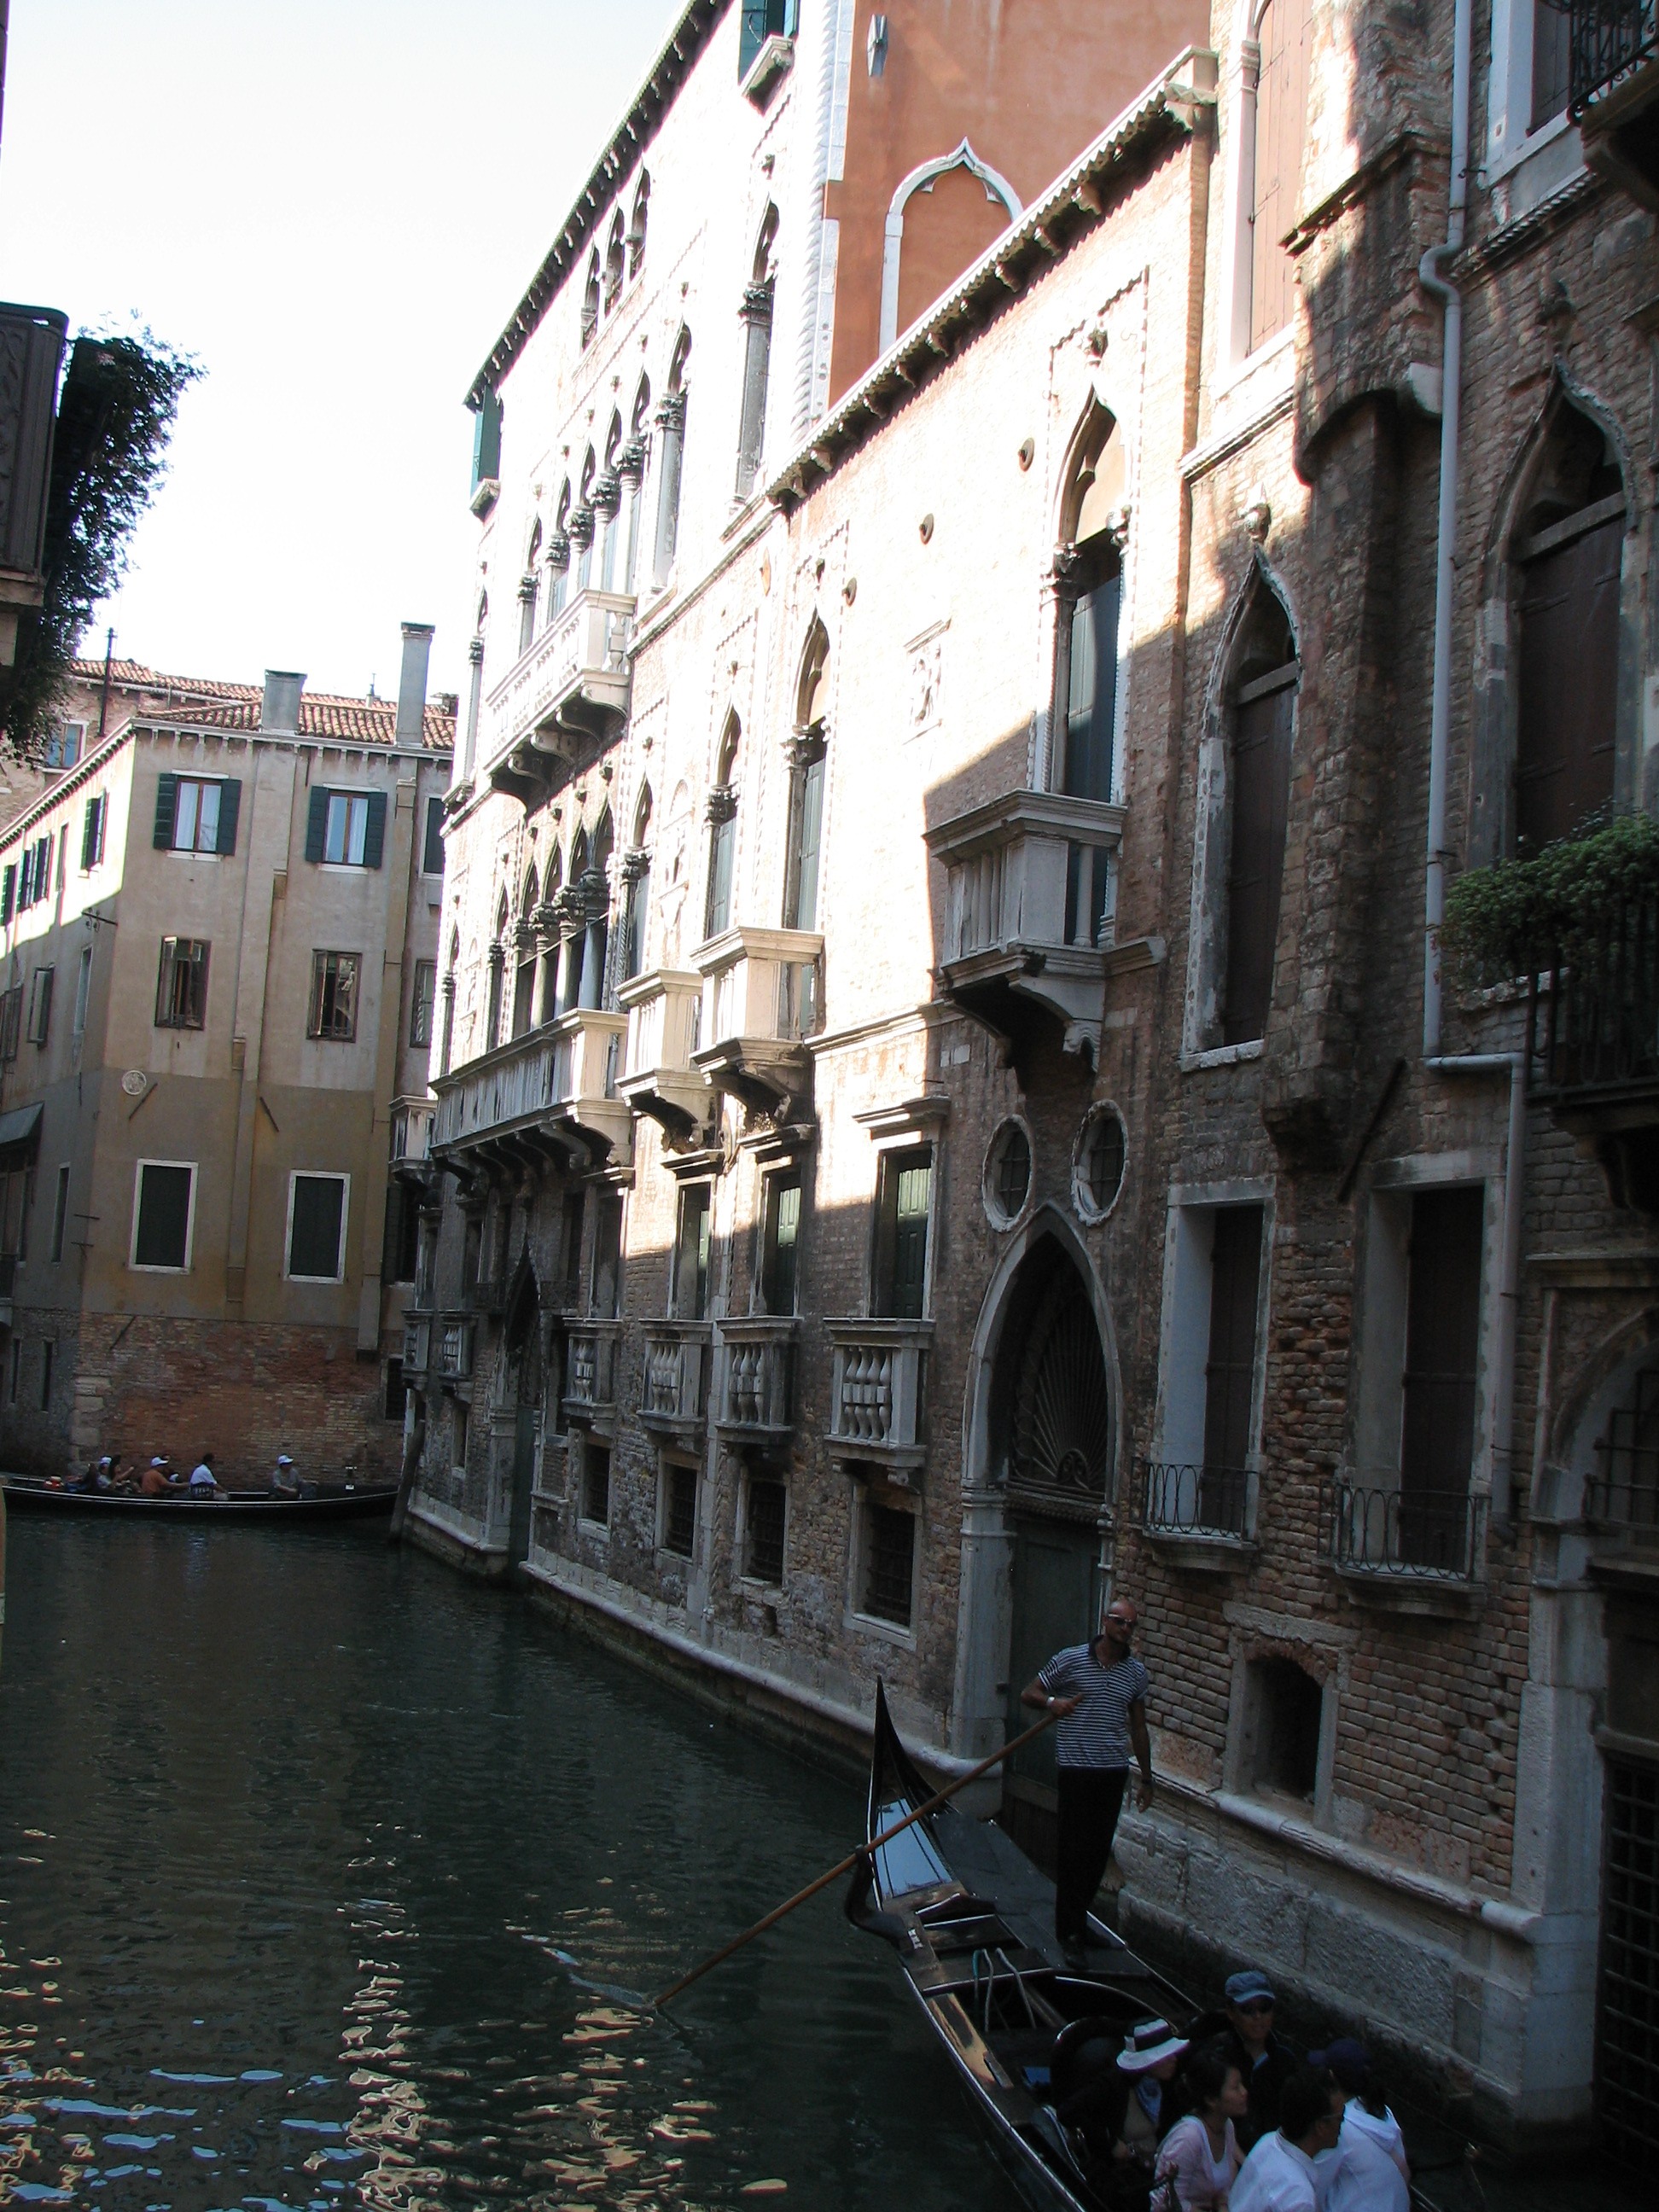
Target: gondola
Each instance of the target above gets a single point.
(972, 1921)
(328, 1502)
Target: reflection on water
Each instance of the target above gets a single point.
(325, 1878)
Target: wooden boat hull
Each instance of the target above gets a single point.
(972, 1922)
(24, 1495)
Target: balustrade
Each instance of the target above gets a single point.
(757, 1376)
(878, 1389)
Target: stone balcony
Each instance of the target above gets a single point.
(566, 694)
(763, 997)
(552, 1090)
(1026, 876)
(664, 1014)
(876, 1393)
(591, 1371)
(452, 1340)
(755, 1397)
(674, 1398)
(1614, 90)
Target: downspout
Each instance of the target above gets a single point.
(1451, 370)
(1511, 1064)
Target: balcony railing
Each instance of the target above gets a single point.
(569, 687)
(1434, 1535)
(877, 1390)
(665, 1025)
(1609, 38)
(763, 997)
(675, 1394)
(1593, 1031)
(591, 1368)
(560, 1076)
(417, 1344)
(1622, 1494)
(1028, 913)
(756, 1396)
(452, 1344)
(411, 1130)
(1182, 1499)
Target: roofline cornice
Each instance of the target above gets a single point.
(1167, 111)
(638, 127)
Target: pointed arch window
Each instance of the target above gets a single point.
(1262, 722)
(529, 586)
(616, 262)
(636, 906)
(447, 1047)
(525, 966)
(757, 316)
(590, 299)
(1091, 591)
(638, 224)
(584, 522)
(558, 556)
(671, 423)
(607, 507)
(722, 834)
(630, 466)
(1567, 553)
(497, 969)
(808, 748)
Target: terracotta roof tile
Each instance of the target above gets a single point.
(204, 702)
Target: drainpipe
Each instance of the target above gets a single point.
(1513, 1065)
(1451, 368)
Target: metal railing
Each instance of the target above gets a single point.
(1434, 1533)
(1182, 1500)
(1609, 37)
(1594, 1020)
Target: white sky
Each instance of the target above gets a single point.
(335, 205)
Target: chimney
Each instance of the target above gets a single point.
(412, 683)
(279, 711)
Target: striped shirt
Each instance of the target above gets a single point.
(1098, 1734)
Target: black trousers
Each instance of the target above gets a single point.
(1091, 1799)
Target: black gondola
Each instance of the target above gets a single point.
(972, 1921)
(326, 1502)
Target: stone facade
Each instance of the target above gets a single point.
(1001, 1050)
(229, 1343)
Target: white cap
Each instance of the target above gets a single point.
(282, 1460)
(158, 1462)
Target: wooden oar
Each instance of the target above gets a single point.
(846, 1865)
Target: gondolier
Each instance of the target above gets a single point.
(1099, 1692)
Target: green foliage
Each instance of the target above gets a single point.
(1521, 915)
(115, 415)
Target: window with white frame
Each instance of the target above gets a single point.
(693, 1245)
(903, 1208)
(94, 822)
(334, 979)
(1198, 1479)
(316, 1227)
(60, 1212)
(39, 1027)
(65, 746)
(163, 1215)
(196, 814)
(1528, 86)
(83, 989)
(181, 983)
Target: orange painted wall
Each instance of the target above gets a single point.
(1028, 82)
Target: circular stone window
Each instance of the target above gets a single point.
(1008, 1175)
(1097, 1164)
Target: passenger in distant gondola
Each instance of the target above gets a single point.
(1199, 2156)
(1263, 2057)
(159, 1479)
(1102, 1705)
(204, 1482)
(284, 1477)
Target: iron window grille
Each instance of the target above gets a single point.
(1434, 1533)
(890, 1562)
(1609, 38)
(596, 1482)
(420, 1002)
(1182, 1500)
(680, 1528)
(768, 1514)
(1624, 1491)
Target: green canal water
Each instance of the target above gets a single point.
(321, 1871)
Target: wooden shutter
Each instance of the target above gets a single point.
(1442, 1342)
(8, 892)
(432, 858)
(1092, 691)
(1551, 61)
(319, 1206)
(1568, 675)
(163, 1237)
(374, 833)
(1255, 859)
(89, 833)
(912, 1188)
(808, 833)
(166, 799)
(317, 824)
(1281, 120)
(721, 840)
(230, 805)
(1229, 1371)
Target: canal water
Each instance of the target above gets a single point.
(323, 1874)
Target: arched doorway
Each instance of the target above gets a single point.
(522, 1340)
(1048, 1436)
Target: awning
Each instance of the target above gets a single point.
(21, 1127)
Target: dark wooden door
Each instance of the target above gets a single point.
(1568, 683)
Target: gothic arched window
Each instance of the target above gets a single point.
(723, 833)
(807, 748)
(1260, 712)
(756, 315)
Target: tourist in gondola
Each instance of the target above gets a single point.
(158, 1480)
(204, 1482)
(1290, 2169)
(1199, 2156)
(1371, 2173)
(1246, 2025)
(284, 1477)
(1098, 1691)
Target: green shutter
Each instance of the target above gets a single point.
(230, 805)
(317, 824)
(809, 833)
(8, 893)
(910, 1239)
(375, 834)
(431, 861)
(167, 795)
(89, 833)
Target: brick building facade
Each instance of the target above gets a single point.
(948, 1101)
(218, 923)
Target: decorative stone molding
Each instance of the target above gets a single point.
(722, 804)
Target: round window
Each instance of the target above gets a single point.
(1098, 1171)
(1008, 1174)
